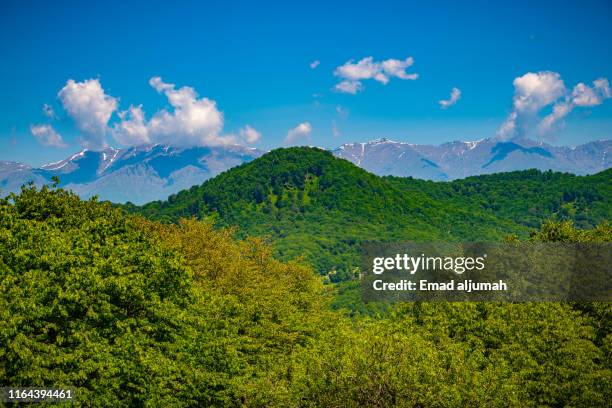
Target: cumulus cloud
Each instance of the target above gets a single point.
(582, 96)
(91, 108)
(48, 111)
(353, 73)
(298, 133)
(350, 87)
(366, 68)
(314, 64)
(535, 91)
(455, 95)
(132, 129)
(508, 128)
(192, 121)
(47, 136)
(532, 92)
(551, 121)
(250, 135)
(396, 68)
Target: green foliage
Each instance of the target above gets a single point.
(525, 197)
(136, 313)
(529, 354)
(564, 231)
(457, 355)
(599, 313)
(312, 204)
(88, 300)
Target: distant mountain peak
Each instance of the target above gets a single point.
(472, 144)
(138, 174)
(381, 140)
(459, 159)
(154, 171)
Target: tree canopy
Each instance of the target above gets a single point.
(131, 312)
(312, 204)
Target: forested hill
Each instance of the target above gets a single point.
(313, 204)
(131, 313)
(525, 197)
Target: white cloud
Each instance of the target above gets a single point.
(250, 135)
(90, 107)
(366, 68)
(314, 64)
(193, 121)
(159, 85)
(532, 92)
(455, 95)
(603, 87)
(352, 74)
(508, 128)
(190, 121)
(47, 136)
(350, 87)
(132, 130)
(553, 120)
(48, 111)
(582, 96)
(397, 68)
(300, 132)
(535, 91)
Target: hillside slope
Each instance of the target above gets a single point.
(134, 313)
(312, 204)
(525, 197)
(315, 205)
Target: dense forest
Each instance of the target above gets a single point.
(131, 312)
(312, 204)
(525, 197)
(222, 303)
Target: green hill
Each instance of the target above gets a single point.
(128, 312)
(312, 204)
(525, 197)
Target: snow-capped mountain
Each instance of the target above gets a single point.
(154, 172)
(136, 174)
(462, 159)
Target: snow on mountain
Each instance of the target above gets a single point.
(137, 174)
(154, 172)
(461, 159)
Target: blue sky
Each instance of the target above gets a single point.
(253, 60)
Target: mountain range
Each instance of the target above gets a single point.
(136, 174)
(454, 160)
(315, 205)
(154, 172)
